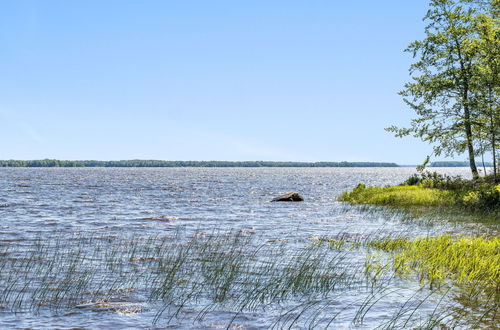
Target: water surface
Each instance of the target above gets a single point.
(141, 203)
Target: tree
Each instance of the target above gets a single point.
(442, 80)
(487, 80)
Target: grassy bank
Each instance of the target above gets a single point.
(433, 191)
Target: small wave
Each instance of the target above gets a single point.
(160, 218)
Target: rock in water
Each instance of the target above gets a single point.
(290, 197)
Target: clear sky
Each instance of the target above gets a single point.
(207, 80)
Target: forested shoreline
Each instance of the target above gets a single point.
(166, 163)
(215, 163)
(456, 164)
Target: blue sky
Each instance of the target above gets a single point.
(206, 80)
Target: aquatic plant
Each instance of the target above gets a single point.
(460, 269)
(299, 285)
(471, 264)
(215, 270)
(462, 260)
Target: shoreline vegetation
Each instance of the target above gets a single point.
(467, 266)
(431, 191)
(454, 93)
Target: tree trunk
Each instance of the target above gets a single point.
(493, 149)
(493, 135)
(468, 127)
(465, 103)
(470, 146)
(482, 160)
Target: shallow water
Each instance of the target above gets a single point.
(124, 203)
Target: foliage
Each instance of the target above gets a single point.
(484, 197)
(454, 89)
(487, 80)
(436, 180)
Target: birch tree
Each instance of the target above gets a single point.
(441, 89)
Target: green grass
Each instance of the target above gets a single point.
(398, 196)
(430, 192)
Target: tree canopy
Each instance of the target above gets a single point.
(454, 81)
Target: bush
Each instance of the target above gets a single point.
(436, 180)
(412, 180)
(484, 197)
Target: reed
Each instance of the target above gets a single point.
(471, 265)
(228, 270)
(462, 260)
(300, 285)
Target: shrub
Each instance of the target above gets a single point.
(412, 180)
(436, 180)
(484, 197)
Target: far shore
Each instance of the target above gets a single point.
(214, 163)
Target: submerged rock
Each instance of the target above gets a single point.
(290, 197)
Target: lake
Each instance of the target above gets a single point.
(181, 247)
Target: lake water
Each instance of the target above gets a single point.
(68, 204)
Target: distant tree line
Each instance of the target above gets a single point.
(455, 164)
(164, 163)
